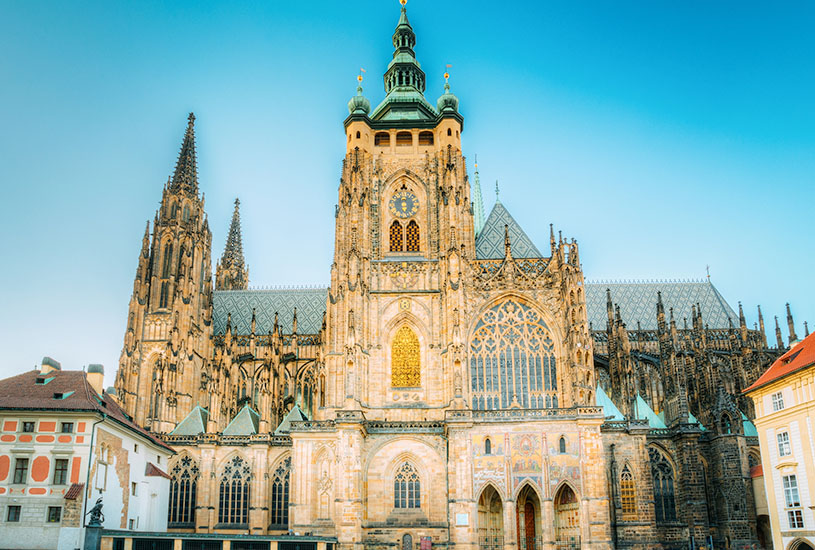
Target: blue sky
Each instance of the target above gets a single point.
(664, 136)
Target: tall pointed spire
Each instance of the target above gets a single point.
(778, 339)
(231, 272)
(791, 326)
(478, 202)
(185, 177)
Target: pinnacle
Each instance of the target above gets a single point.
(185, 177)
(233, 251)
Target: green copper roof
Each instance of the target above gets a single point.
(294, 415)
(245, 422)
(194, 423)
(749, 428)
(609, 408)
(644, 412)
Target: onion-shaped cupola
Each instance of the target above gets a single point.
(448, 102)
(359, 104)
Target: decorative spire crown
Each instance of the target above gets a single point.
(234, 247)
(185, 177)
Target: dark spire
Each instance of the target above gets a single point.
(806, 329)
(233, 250)
(231, 272)
(185, 177)
(761, 327)
(791, 325)
(779, 340)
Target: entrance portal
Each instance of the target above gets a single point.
(529, 519)
(490, 520)
(567, 519)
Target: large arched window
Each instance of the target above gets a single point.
(405, 363)
(396, 237)
(280, 495)
(406, 487)
(167, 258)
(233, 500)
(512, 359)
(628, 494)
(183, 489)
(662, 474)
(412, 237)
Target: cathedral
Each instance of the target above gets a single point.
(455, 385)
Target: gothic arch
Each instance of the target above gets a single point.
(495, 488)
(279, 492)
(801, 544)
(185, 473)
(663, 478)
(490, 523)
(529, 515)
(374, 452)
(551, 322)
(567, 514)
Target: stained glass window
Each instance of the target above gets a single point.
(662, 474)
(233, 501)
(183, 488)
(396, 237)
(628, 494)
(405, 365)
(280, 495)
(512, 359)
(406, 487)
(412, 237)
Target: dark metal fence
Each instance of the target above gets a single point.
(152, 544)
(197, 544)
(490, 542)
(573, 543)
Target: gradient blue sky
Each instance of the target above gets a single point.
(664, 136)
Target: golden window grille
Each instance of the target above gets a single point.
(405, 367)
(396, 237)
(412, 237)
(628, 494)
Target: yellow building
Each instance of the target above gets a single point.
(785, 418)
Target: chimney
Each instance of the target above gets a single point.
(49, 365)
(96, 377)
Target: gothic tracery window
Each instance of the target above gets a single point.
(405, 362)
(280, 495)
(512, 359)
(183, 489)
(167, 258)
(396, 237)
(412, 237)
(233, 501)
(662, 474)
(406, 487)
(628, 493)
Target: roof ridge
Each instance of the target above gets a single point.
(644, 281)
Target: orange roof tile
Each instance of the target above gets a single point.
(799, 357)
(757, 471)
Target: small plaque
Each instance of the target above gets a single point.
(462, 519)
(427, 543)
(404, 304)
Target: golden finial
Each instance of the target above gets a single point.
(403, 2)
(447, 72)
(359, 76)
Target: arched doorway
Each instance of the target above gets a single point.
(528, 508)
(801, 544)
(490, 520)
(567, 519)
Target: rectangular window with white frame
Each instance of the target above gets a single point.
(792, 502)
(777, 400)
(784, 448)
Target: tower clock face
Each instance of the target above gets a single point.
(404, 204)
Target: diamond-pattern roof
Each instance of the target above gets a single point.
(638, 302)
(310, 304)
(490, 242)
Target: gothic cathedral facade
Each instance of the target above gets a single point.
(453, 385)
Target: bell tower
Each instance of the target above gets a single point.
(404, 228)
(169, 330)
